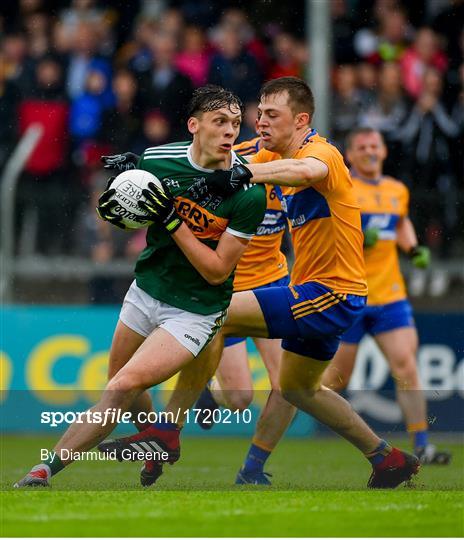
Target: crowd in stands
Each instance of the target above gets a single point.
(107, 76)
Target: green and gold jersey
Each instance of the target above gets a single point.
(162, 270)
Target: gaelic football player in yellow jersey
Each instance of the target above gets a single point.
(262, 265)
(328, 290)
(388, 314)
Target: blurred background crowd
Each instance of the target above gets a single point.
(108, 76)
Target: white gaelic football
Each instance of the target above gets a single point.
(128, 186)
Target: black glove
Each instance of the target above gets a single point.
(105, 206)
(159, 205)
(221, 182)
(120, 162)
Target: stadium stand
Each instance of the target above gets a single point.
(104, 77)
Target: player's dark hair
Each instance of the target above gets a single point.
(211, 98)
(361, 131)
(300, 95)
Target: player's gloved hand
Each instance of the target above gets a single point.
(105, 206)
(221, 182)
(160, 207)
(120, 162)
(420, 256)
(371, 237)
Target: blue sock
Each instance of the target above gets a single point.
(421, 439)
(164, 425)
(380, 453)
(255, 459)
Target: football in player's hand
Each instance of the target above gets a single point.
(122, 205)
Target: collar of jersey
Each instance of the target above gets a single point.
(233, 161)
(308, 136)
(375, 182)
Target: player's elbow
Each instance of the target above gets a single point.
(216, 278)
(310, 171)
(304, 172)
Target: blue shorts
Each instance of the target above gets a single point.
(310, 318)
(282, 282)
(377, 319)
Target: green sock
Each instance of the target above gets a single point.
(54, 462)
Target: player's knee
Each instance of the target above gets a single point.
(295, 392)
(239, 400)
(336, 381)
(404, 367)
(123, 383)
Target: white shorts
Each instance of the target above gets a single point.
(143, 313)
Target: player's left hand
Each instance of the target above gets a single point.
(371, 237)
(106, 205)
(159, 205)
(221, 182)
(420, 256)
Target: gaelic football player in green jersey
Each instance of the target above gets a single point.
(172, 309)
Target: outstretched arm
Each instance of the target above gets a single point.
(283, 172)
(289, 172)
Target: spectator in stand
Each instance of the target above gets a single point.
(121, 124)
(346, 104)
(46, 188)
(171, 21)
(155, 131)
(164, 87)
(387, 113)
(37, 27)
(194, 58)
(285, 62)
(389, 43)
(80, 11)
(237, 20)
(19, 67)
(88, 108)
(61, 40)
(423, 53)
(84, 57)
(234, 68)
(136, 53)
(428, 136)
(367, 77)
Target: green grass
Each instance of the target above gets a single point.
(318, 490)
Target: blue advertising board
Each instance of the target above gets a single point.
(440, 361)
(55, 359)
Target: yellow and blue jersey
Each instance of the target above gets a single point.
(383, 203)
(262, 262)
(325, 222)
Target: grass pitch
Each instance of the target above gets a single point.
(318, 490)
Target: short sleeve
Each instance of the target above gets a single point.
(247, 212)
(329, 155)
